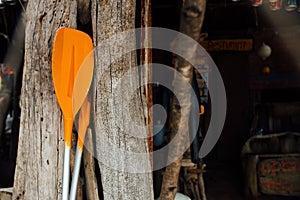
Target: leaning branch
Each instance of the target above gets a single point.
(192, 16)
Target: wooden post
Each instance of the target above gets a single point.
(192, 16)
(110, 18)
(146, 59)
(38, 173)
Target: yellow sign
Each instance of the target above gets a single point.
(228, 45)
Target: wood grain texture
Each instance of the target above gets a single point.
(113, 123)
(89, 168)
(6, 193)
(146, 60)
(192, 16)
(38, 172)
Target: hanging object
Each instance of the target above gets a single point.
(256, 3)
(290, 5)
(2, 5)
(11, 2)
(264, 51)
(266, 70)
(275, 5)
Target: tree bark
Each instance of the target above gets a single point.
(112, 17)
(38, 172)
(192, 16)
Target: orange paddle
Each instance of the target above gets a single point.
(83, 122)
(81, 101)
(70, 49)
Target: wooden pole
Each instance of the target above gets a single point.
(146, 59)
(38, 172)
(111, 18)
(192, 16)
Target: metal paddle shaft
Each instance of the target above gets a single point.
(69, 50)
(75, 175)
(83, 122)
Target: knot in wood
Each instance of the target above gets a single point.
(177, 107)
(172, 188)
(192, 12)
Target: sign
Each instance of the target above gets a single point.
(228, 45)
(279, 176)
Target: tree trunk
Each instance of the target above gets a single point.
(192, 16)
(38, 172)
(113, 124)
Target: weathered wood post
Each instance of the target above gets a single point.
(112, 122)
(38, 172)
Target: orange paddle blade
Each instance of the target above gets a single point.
(83, 82)
(70, 49)
(83, 121)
